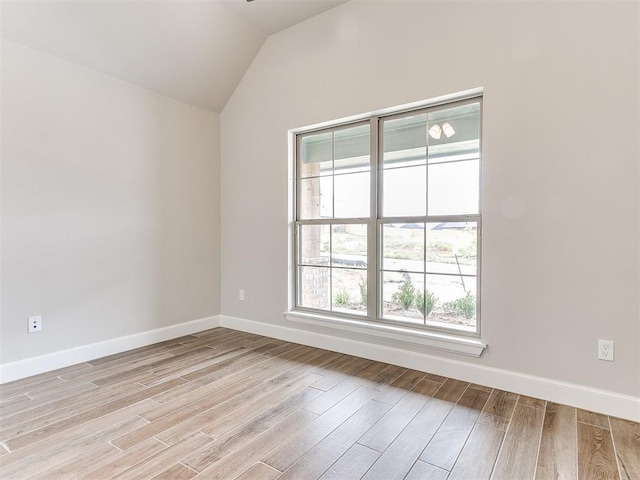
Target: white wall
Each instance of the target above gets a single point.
(561, 203)
(110, 207)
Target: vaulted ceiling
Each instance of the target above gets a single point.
(195, 51)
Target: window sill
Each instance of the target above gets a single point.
(449, 343)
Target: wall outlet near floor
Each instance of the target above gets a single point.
(606, 350)
(35, 324)
(241, 295)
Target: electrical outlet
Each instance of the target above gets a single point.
(606, 350)
(34, 324)
(241, 295)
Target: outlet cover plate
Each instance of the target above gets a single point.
(35, 324)
(606, 350)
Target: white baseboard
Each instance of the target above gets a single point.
(596, 400)
(53, 361)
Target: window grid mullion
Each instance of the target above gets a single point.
(426, 211)
(379, 240)
(331, 268)
(372, 237)
(333, 174)
(333, 215)
(426, 169)
(424, 265)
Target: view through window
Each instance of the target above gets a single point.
(388, 221)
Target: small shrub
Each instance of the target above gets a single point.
(363, 291)
(463, 306)
(426, 302)
(405, 295)
(342, 298)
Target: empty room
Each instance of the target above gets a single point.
(319, 239)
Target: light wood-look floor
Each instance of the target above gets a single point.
(229, 405)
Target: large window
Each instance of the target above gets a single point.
(387, 218)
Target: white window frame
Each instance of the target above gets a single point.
(448, 339)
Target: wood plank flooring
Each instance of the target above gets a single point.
(223, 404)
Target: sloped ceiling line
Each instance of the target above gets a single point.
(193, 51)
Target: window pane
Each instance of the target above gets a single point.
(352, 195)
(403, 247)
(452, 247)
(454, 188)
(316, 198)
(454, 301)
(405, 140)
(349, 293)
(399, 292)
(314, 247)
(316, 155)
(314, 287)
(404, 192)
(454, 133)
(349, 245)
(352, 147)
